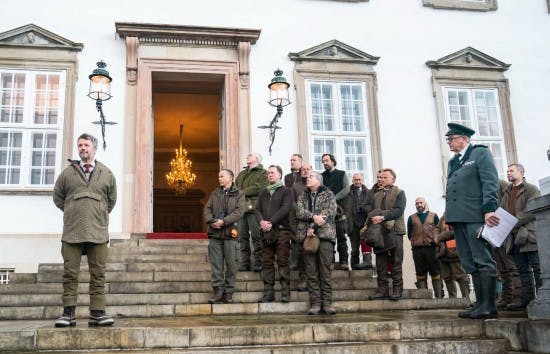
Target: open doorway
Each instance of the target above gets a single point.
(192, 100)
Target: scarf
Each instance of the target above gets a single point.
(271, 188)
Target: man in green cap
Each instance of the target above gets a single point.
(470, 203)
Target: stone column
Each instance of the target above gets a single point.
(540, 308)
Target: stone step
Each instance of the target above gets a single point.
(7, 300)
(56, 276)
(377, 332)
(135, 242)
(175, 249)
(449, 346)
(177, 266)
(297, 306)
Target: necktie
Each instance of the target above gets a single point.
(458, 157)
(87, 168)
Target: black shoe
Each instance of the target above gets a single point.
(361, 266)
(99, 318)
(344, 266)
(285, 298)
(266, 298)
(314, 309)
(395, 297)
(258, 268)
(329, 310)
(379, 296)
(244, 268)
(67, 319)
(301, 287)
(516, 307)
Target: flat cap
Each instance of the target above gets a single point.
(459, 129)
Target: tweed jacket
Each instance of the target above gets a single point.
(472, 186)
(526, 192)
(85, 204)
(251, 181)
(228, 205)
(323, 204)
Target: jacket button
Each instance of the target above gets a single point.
(454, 200)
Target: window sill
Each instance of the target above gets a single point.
(26, 191)
(487, 5)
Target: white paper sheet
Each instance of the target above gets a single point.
(497, 234)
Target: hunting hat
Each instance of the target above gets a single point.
(459, 129)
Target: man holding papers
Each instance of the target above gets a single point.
(470, 202)
(522, 242)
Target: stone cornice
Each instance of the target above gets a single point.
(33, 36)
(334, 51)
(468, 59)
(186, 35)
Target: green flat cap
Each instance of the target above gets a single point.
(459, 129)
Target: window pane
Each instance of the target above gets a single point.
(49, 176)
(37, 140)
(16, 140)
(35, 176)
(50, 158)
(3, 158)
(4, 139)
(14, 176)
(51, 140)
(3, 175)
(36, 158)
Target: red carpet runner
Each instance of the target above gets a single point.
(177, 236)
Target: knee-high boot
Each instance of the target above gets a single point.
(451, 288)
(487, 309)
(438, 287)
(477, 289)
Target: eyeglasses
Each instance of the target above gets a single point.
(453, 137)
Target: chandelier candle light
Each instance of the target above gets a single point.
(181, 178)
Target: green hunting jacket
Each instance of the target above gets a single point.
(85, 204)
(472, 186)
(252, 181)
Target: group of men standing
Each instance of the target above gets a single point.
(278, 213)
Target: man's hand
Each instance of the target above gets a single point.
(319, 220)
(491, 219)
(265, 225)
(377, 219)
(217, 224)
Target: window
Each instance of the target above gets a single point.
(472, 5)
(470, 89)
(5, 275)
(337, 107)
(338, 125)
(479, 109)
(38, 73)
(31, 126)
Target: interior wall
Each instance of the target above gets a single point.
(199, 114)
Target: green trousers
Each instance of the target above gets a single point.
(72, 254)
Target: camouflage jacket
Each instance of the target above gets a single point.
(322, 203)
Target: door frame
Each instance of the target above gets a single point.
(144, 126)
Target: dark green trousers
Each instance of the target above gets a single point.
(72, 254)
(318, 272)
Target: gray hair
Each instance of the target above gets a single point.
(318, 176)
(518, 166)
(89, 137)
(257, 155)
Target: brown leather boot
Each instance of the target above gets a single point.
(217, 297)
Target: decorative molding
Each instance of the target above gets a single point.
(470, 67)
(132, 44)
(243, 50)
(334, 51)
(187, 35)
(468, 58)
(471, 5)
(336, 61)
(33, 36)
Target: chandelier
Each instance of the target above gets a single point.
(181, 178)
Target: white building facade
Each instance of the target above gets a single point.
(373, 82)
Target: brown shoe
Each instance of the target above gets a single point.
(217, 297)
(329, 310)
(228, 298)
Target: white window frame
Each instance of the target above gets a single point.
(500, 161)
(338, 134)
(28, 128)
(5, 275)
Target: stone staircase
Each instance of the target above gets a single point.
(158, 290)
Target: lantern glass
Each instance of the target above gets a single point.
(278, 94)
(100, 87)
